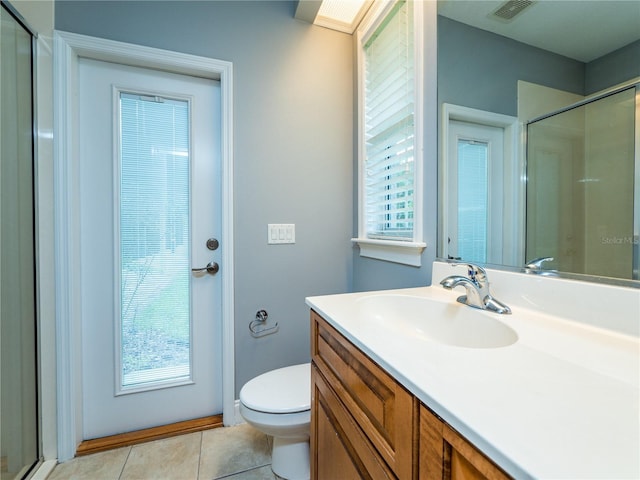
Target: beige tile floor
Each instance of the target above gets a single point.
(235, 453)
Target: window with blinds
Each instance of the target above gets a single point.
(389, 127)
(154, 243)
(473, 200)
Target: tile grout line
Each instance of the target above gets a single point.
(199, 456)
(229, 475)
(124, 464)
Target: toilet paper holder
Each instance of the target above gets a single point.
(257, 327)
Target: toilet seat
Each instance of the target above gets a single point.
(284, 390)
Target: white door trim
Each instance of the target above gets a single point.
(68, 47)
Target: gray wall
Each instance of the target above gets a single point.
(612, 69)
(293, 126)
(479, 69)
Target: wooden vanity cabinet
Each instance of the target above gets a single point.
(364, 424)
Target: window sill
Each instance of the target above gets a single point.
(406, 253)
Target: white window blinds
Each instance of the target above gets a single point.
(473, 203)
(389, 127)
(155, 289)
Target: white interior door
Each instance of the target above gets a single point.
(150, 200)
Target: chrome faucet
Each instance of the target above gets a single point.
(535, 266)
(477, 286)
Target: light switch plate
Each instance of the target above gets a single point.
(280, 233)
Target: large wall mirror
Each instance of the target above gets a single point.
(539, 135)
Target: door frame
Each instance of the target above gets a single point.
(68, 48)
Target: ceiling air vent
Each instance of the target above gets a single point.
(507, 11)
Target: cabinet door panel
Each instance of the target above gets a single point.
(461, 469)
(339, 449)
(382, 408)
(431, 446)
(335, 461)
(446, 455)
(464, 461)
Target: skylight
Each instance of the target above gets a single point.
(342, 15)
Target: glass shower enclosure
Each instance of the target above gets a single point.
(583, 186)
(19, 440)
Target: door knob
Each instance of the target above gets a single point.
(211, 268)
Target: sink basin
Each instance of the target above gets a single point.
(445, 322)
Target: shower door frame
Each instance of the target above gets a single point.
(636, 192)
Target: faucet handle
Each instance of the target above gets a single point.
(475, 272)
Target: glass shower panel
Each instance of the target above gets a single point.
(18, 376)
(580, 187)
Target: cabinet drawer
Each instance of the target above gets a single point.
(383, 409)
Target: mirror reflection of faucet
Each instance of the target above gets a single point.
(535, 267)
(477, 286)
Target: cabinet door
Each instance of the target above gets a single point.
(431, 446)
(446, 455)
(339, 449)
(380, 406)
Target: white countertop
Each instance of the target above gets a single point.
(562, 402)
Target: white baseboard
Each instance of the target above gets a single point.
(237, 418)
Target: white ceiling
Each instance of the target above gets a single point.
(580, 29)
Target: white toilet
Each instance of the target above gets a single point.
(278, 403)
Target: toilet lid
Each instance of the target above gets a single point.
(285, 390)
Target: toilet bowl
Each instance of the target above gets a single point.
(278, 403)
